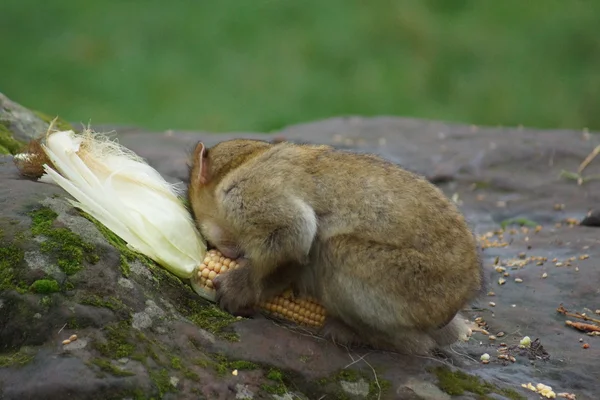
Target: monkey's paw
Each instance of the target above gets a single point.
(234, 294)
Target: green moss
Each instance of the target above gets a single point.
(69, 249)
(275, 375)
(125, 268)
(518, 221)
(112, 303)
(243, 365)
(60, 124)
(305, 358)
(118, 341)
(72, 323)
(206, 316)
(191, 375)
(46, 302)
(348, 375)
(162, 382)
(456, 383)
(11, 258)
(375, 387)
(16, 359)
(278, 387)
(8, 144)
(223, 365)
(176, 363)
(45, 286)
(127, 256)
(212, 319)
(107, 366)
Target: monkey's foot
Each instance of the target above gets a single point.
(339, 332)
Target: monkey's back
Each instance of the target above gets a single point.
(427, 253)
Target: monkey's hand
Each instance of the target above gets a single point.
(235, 292)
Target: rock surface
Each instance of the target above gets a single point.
(19, 124)
(143, 334)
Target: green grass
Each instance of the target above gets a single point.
(261, 64)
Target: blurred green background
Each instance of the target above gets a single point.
(258, 65)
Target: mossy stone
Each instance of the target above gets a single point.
(11, 258)
(8, 144)
(69, 248)
(456, 383)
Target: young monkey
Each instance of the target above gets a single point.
(386, 253)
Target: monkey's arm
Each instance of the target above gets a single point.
(276, 230)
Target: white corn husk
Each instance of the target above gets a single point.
(126, 195)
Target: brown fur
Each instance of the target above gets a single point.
(383, 250)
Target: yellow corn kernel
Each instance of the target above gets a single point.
(303, 311)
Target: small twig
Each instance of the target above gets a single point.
(355, 361)
(376, 380)
(566, 312)
(588, 159)
(463, 355)
(583, 326)
(61, 329)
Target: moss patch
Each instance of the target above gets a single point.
(278, 386)
(11, 258)
(8, 144)
(60, 123)
(69, 249)
(118, 341)
(456, 383)
(518, 221)
(203, 314)
(211, 319)
(112, 303)
(162, 382)
(223, 365)
(45, 286)
(109, 367)
(16, 359)
(127, 256)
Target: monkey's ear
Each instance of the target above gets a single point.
(201, 161)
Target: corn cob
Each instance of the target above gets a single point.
(303, 311)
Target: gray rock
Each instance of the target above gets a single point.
(22, 122)
(180, 346)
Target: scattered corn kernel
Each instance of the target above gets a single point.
(234, 372)
(501, 281)
(485, 357)
(544, 275)
(525, 342)
(73, 338)
(67, 341)
(492, 304)
(518, 280)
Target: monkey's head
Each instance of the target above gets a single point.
(209, 166)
